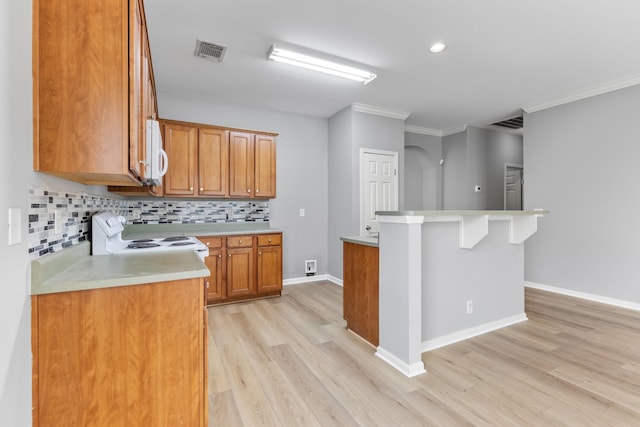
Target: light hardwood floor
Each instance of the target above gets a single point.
(290, 362)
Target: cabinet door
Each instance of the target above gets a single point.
(213, 161)
(241, 164)
(240, 271)
(269, 269)
(180, 143)
(215, 284)
(265, 166)
(125, 356)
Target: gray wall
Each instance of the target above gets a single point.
(581, 163)
(301, 156)
(349, 131)
(454, 148)
(478, 157)
(422, 173)
(340, 166)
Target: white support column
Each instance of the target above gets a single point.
(400, 293)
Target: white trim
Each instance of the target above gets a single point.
(423, 131)
(453, 130)
(310, 279)
(401, 219)
(435, 132)
(586, 296)
(583, 94)
(408, 370)
(465, 334)
(379, 111)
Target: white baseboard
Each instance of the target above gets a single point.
(465, 334)
(310, 279)
(410, 370)
(586, 296)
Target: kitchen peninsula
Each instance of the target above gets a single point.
(445, 276)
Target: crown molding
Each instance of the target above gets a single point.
(453, 130)
(379, 111)
(423, 131)
(577, 96)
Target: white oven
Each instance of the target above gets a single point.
(106, 238)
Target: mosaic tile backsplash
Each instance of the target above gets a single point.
(75, 211)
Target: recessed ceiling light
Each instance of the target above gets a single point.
(437, 47)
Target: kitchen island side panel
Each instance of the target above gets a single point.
(491, 276)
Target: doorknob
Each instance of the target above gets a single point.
(368, 228)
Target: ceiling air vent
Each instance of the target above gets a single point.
(209, 50)
(512, 123)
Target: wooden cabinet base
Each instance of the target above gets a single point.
(245, 298)
(123, 356)
(360, 290)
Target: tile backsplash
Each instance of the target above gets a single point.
(75, 210)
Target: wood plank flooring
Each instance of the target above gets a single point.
(290, 361)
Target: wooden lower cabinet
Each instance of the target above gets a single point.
(122, 356)
(360, 290)
(243, 267)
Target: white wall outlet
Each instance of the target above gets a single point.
(58, 221)
(469, 307)
(310, 267)
(301, 212)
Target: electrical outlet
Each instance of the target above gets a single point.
(469, 307)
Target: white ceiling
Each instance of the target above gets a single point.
(502, 56)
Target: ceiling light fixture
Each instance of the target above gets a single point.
(318, 61)
(437, 47)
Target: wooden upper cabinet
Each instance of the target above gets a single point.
(241, 164)
(87, 69)
(265, 166)
(181, 145)
(213, 162)
(252, 165)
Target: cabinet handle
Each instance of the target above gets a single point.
(229, 255)
(220, 256)
(259, 253)
(190, 188)
(201, 189)
(208, 243)
(257, 191)
(269, 240)
(240, 241)
(207, 284)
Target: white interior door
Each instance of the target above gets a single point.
(513, 188)
(379, 187)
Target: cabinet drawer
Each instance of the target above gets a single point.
(239, 241)
(211, 242)
(269, 239)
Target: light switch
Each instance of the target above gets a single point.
(15, 226)
(301, 212)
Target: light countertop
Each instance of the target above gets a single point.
(74, 269)
(144, 231)
(361, 240)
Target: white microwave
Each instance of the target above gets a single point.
(156, 161)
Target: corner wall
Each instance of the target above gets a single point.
(581, 163)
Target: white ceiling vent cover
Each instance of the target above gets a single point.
(209, 50)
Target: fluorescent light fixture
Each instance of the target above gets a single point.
(318, 61)
(437, 47)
